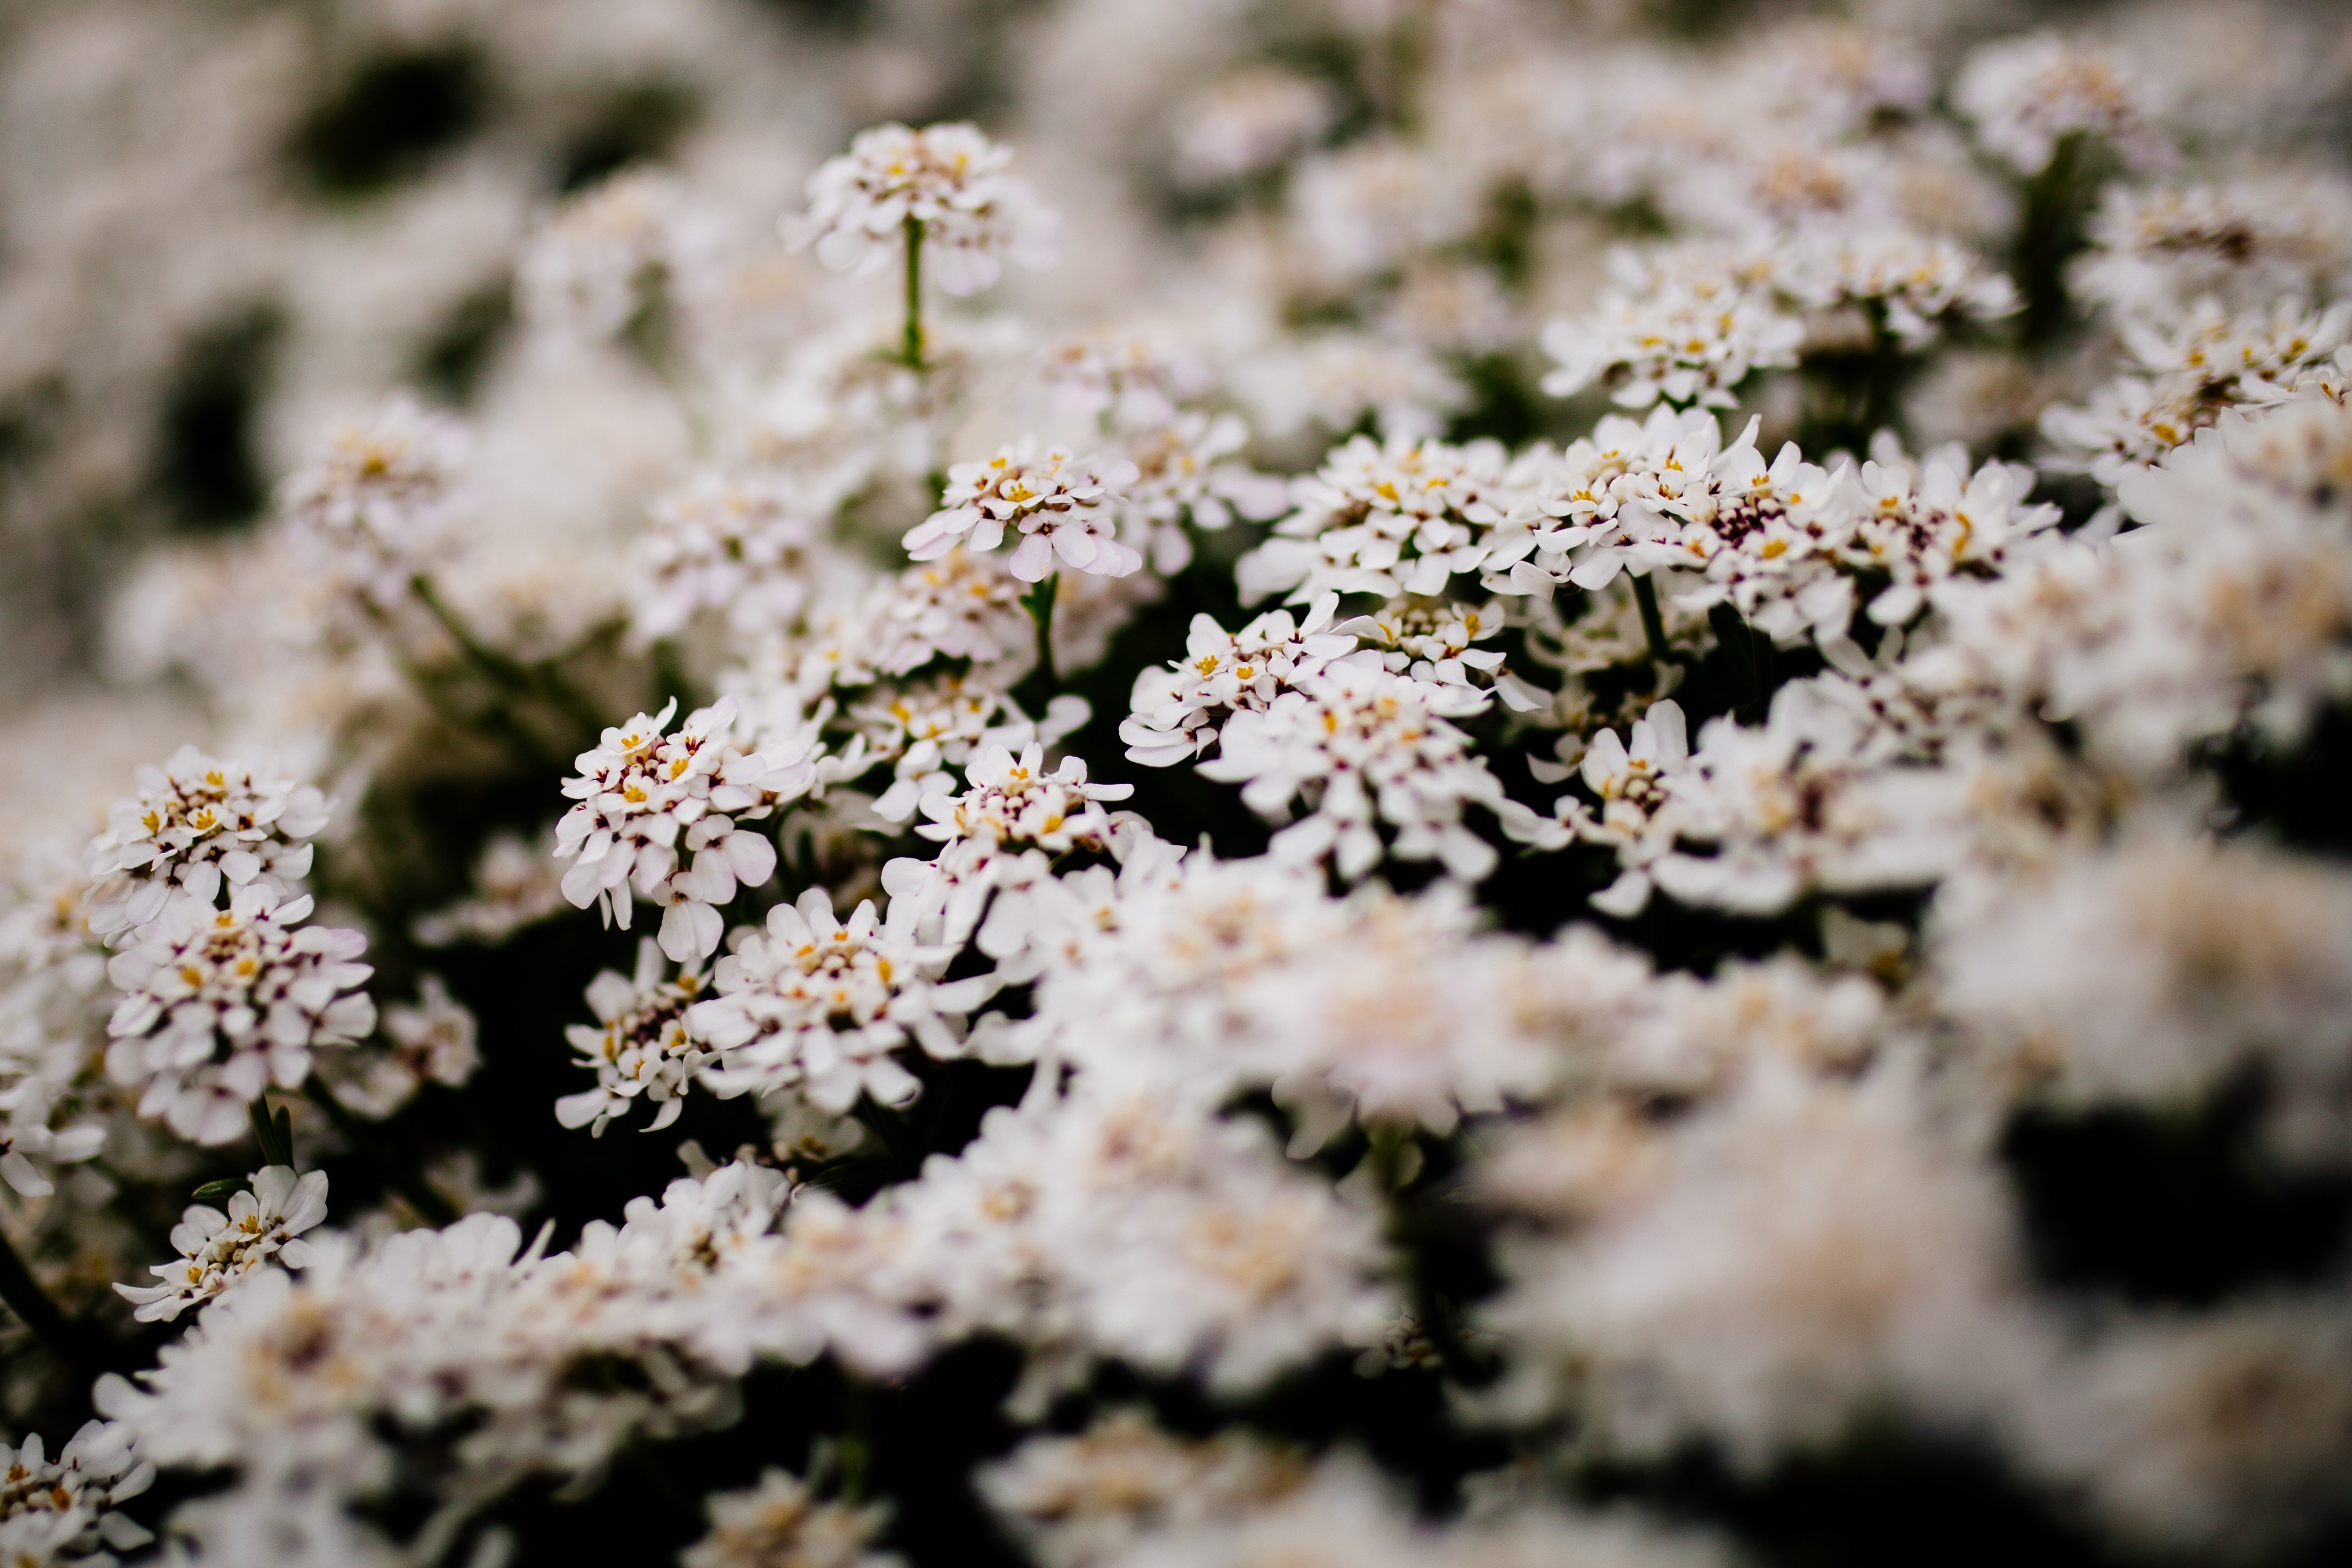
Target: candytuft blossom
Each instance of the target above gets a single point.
(220, 1004)
(380, 501)
(263, 1224)
(948, 182)
(1060, 506)
(817, 1004)
(196, 822)
(649, 799)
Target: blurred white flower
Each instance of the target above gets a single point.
(379, 503)
(781, 1524)
(2027, 94)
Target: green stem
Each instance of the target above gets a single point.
(913, 353)
(1042, 682)
(1654, 625)
(503, 669)
(37, 1313)
(856, 1446)
(433, 1209)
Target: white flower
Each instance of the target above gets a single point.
(1061, 506)
(2027, 94)
(1174, 710)
(1804, 802)
(2152, 970)
(1247, 122)
(780, 1523)
(648, 799)
(1078, 1501)
(640, 1048)
(2248, 243)
(1363, 747)
(52, 977)
(1781, 1261)
(1762, 535)
(748, 548)
(1012, 800)
(64, 1511)
(1125, 379)
(1686, 324)
(196, 822)
(2193, 367)
(1369, 206)
(218, 1250)
(599, 260)
(1116, 1226)
(380, 501)
(222, 1003)
(928, 726)
(1435, 640)
(1387, 518)
(1634, 782)
(1186, 476)
(1916, 280)
(818, 1005)
(431, 1040)
(1923, 521)
(948, 182)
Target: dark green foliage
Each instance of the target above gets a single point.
(632, 125)
(2181, 1206)
(389, 119)
(206, 470)
(450, 362)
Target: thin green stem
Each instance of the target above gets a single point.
(420, 1195)
(1042, 682)
(1654, 625)
(503, 669)
(913, 352)
(855, 1443)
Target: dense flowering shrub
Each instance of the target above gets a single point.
(1569, 798)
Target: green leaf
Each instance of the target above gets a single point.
(273, 1133)
(212, 1189)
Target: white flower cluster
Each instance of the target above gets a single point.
(647, 800)
(220, 1004)
(816, 1005)
(263, 1224)
(746, 549)
(1362, 747)
(1061, 506)
(66, 1509)
(1733, 942)
(2029, 95)
(198, 821)
(2193, 367)
(52, 985)
(945, 184)
(1176, 710)
(1688, 323)
(2245, 243)
(1685, 326)
(379, 503)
